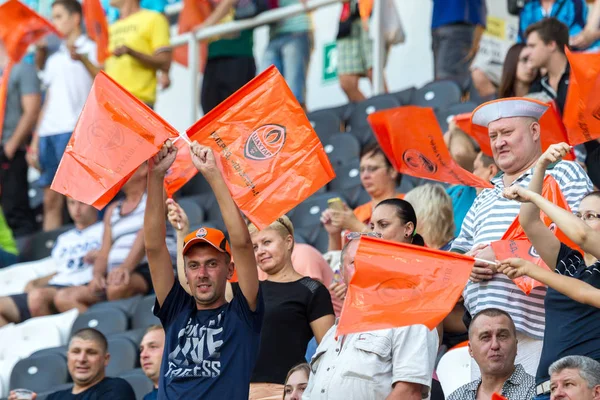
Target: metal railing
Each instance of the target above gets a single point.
(265, 18)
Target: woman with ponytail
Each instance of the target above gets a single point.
(396, 220)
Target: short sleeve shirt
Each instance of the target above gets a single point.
(108, 388)
(209, 354)
(520, 386)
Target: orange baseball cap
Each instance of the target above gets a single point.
(211, 236)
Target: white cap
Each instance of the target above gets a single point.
(507, 108)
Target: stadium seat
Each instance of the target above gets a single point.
(40, 373)
(46, 394)
(60, 350)
(404, 96)
(14, 278)
(342, 148)
(347, 181)
(140, 383)
(454, 369)
(196, 185)
(364, 134)
(143, 316)
(126, 305)
(362, 110)
(107, 321)
(192, 209)
(63, 322)
(343, 111)
(40, 244)
(308, 213)
(31, 336)
(437, 94)
(134, 335)
(444, 115)
(6, 366)
(325, 123)
(123, 356)
(316, 237)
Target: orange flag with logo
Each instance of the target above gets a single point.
(192, 14)
(582, 108)
(514, 242)
(397, 284)
(20, 27)
(114, 135)
(97, 27)
(271, 157)
(552, 131)
(411, 137)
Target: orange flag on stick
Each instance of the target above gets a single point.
(582, 108)
(411, 138)
(97, 27)
(514, 242)
(192, 14)
(21, 27)
(397, 284)
(114, 135)
(182, 169)
(551, 125)
(271, 157)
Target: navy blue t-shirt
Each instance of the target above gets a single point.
(572, 328)
(108, 388)
(209, 354)
(153, 395)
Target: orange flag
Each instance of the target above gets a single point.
(97, 27)
(514, 242)
(551, 125)
(271, 157)
(582, 108)
(397, 284)
(21, 27)
(114, 135)
(192, 14)
(496, 396)
(411, 137)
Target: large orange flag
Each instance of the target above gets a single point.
(97, 27)
(412, 140)
(582, 108)
(20, 27)
(552, 129)
(514, 242)
(114, 135)
(192, 14)
(397, 284)
(271, 157)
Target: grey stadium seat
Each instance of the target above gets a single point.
(140, 383)
(107, 321)
(123, 356)
(39, 373)
(144, 316)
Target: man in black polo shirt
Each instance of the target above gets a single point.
(546, 41)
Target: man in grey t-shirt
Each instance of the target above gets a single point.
(21, 113)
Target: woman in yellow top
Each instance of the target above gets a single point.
(380, 180)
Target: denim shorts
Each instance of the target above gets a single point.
(51, 150)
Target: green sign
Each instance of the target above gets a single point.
(329, 62)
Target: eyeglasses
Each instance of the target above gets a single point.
(370, 169)
(358, 235)
(587, 216)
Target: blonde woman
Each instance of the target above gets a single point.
(434, 212)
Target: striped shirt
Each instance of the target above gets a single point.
(487, 221)
(124, 230)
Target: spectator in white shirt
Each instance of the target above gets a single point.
(73, 256)
(68, 83)
(388, 363)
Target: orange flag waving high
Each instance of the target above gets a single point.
(271, 157)
(397, 284)
(114, 135)
(97, 27)
(192, 14)
(20, 27)
(412, 140)
(582, 108)
(515, 243)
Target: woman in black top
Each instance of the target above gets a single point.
(296, 309)
(572, 303)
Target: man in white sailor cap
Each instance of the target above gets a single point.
(514, 133)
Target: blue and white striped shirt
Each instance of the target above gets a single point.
(488, 219)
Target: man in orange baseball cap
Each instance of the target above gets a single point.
(209, 342)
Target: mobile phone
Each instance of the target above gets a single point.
(336, 204)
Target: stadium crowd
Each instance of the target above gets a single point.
(265, 326)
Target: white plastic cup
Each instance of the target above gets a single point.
(23, 394)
